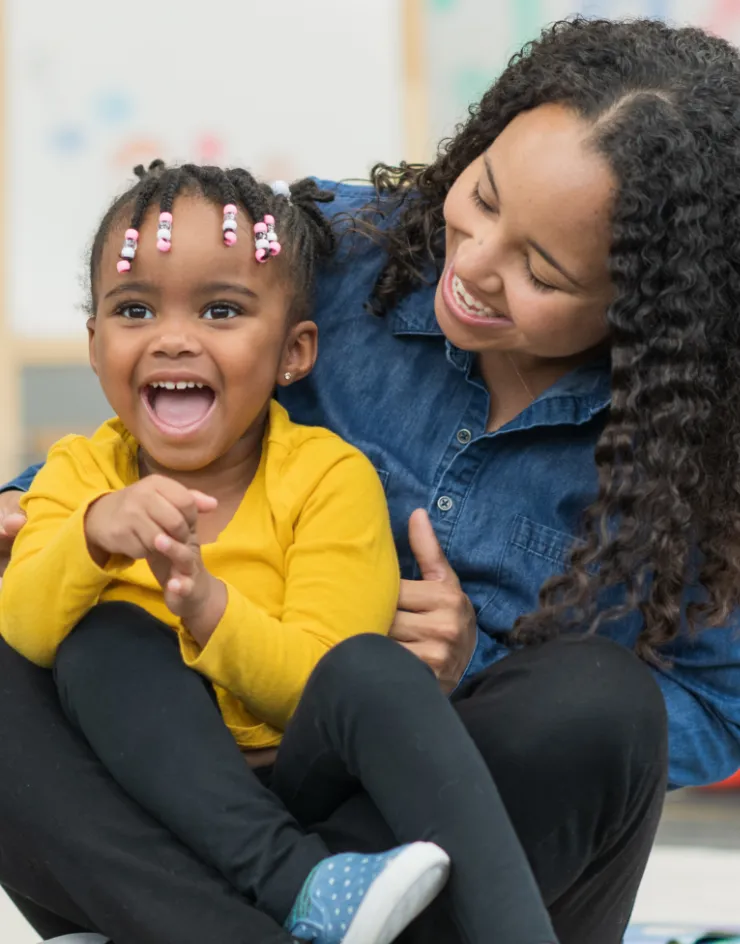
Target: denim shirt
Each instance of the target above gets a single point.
(505, 505)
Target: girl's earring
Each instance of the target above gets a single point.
(287, 375)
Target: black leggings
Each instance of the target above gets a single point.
(574, 732)
(372, 717)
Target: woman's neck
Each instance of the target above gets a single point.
(514, 381)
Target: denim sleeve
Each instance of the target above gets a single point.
(24, 480)
(700, 681)
(486, 652)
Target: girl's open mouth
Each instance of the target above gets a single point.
(178, 406)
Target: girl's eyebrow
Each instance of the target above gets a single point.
(228, 287)
(124, 287)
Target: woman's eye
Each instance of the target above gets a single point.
(135, 312)
(538, 284)
(221, 313)
(480, 202)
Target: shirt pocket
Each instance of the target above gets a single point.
(533, 553)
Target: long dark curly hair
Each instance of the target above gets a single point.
(665, 109)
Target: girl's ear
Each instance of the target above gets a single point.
(299, 353)
(91, 343)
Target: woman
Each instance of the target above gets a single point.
(557, 287)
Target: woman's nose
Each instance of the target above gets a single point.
(477, 261)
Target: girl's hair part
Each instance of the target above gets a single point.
(306, 235)
(664, 105)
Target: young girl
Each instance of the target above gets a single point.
(202, 530)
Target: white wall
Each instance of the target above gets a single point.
(285, 87)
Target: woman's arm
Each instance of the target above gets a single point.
(700, 681)
(24, 480)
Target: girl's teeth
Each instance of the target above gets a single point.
(180, 385)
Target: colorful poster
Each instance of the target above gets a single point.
(470, 41)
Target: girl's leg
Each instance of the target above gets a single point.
(74, 843)
(373, 714)
(156, 728)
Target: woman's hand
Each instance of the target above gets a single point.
(11, 522)
(435, 619)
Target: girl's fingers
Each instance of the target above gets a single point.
(184, 557)
(181, 586)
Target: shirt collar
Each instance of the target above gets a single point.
(575, 398)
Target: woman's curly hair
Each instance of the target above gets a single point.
(665, 108)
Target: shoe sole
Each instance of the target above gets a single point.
(404, 888)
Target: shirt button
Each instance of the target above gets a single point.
(444, 503)
(464, 436)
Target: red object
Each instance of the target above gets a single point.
(733, 783)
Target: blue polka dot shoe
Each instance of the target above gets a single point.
(368, 899)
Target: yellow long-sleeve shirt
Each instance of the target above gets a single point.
(308, 560)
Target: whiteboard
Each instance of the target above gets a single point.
(94, 87)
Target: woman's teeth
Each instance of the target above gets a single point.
(466, 301)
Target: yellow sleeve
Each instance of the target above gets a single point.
(52, 581)
(342, 579)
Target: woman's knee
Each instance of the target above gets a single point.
(583, 702)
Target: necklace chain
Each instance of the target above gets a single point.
(521, 379)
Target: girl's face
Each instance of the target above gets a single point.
(189, 345)
(527, 241)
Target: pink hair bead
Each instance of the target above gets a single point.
(261, 255)
(163, 245)
(260, 227)
(269, 219)
(275, 248)
(229, 237)
(132, 234)
(230, 208)
(124, 266)
(165, 217)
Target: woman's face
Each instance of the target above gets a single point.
(527, 241)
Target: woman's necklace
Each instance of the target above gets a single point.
(521, 379)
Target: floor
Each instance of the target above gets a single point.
(693, 877)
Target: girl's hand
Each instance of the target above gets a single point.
(129, 521)
(435, 619)
(190, 591)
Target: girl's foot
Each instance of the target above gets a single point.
(368, 899)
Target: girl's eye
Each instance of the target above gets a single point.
(135, 312)
(538, 284)
(221, 313)
(480, 202)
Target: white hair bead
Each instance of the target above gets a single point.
(281, 189)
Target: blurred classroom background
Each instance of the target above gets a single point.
(324, 87)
